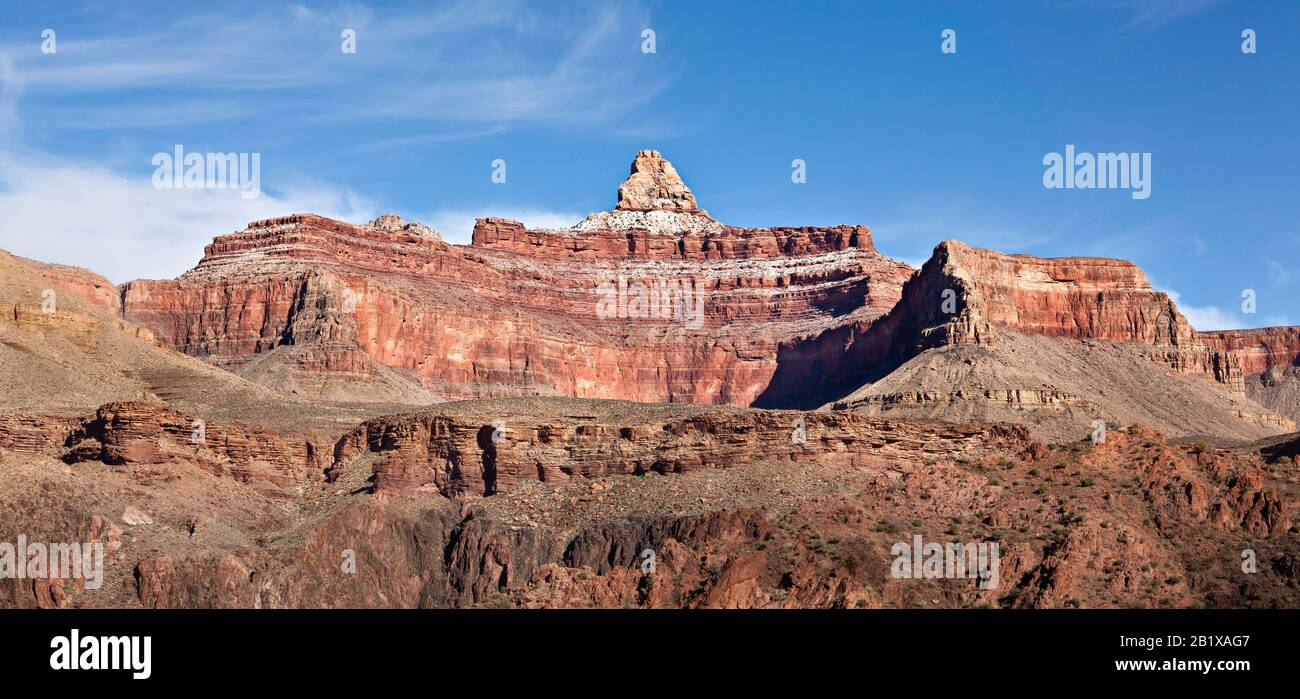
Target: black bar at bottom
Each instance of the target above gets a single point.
(227, 648)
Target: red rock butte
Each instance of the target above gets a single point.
(790, 317)
(517, 311)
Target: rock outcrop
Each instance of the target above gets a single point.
(83, 283)
(1259, 349)
(140, 432)
(966, 295)
(146, 433)
(1270, 361)
(662, 305)
(766, 531)
(653, 185)
(36, 434)
(394, 223)
(492, 447)
(1099, 313)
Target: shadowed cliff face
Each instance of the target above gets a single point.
(654, 302)
(1056, 344)
(965, 295)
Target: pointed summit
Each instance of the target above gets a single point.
(654, 185)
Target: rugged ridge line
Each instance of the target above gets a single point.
(464, 449)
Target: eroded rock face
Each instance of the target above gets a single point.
(654, 185)
(631, 314)
(144, 433)
(35, 434)
(1134, 521)
(88, 285)
(487, 452)
(1053, 343)
(1259, 349)
(654, 301)
(964, 295)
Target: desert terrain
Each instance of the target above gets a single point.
(650, 408)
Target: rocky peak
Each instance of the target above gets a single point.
(394, 223)
(654, 185)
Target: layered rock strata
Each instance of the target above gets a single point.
(1062, 343)
(142, 433)
(965, 295)
(654, 305)
(459, 451)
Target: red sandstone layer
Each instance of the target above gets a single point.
(521, 312)
(1259, 349)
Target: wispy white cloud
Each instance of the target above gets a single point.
(496, 62)
(421, 75)
(1278, 274)
(1211, 318)
(124, 228)
(427, 139)
(82, 214)
(1152, 14)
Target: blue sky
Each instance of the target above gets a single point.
(919, 145)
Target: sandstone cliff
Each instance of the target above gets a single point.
(1270, 359)
(1258, 349)
(658, 304)
(654, 185)
(656, 301)
(1100, 314)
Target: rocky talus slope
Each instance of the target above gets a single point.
(1056, 344)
